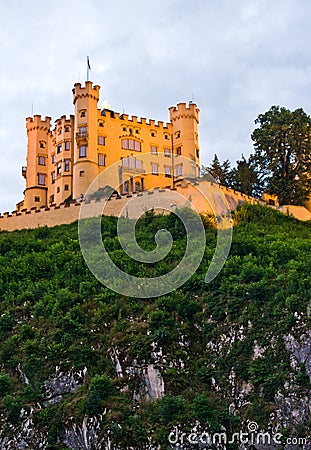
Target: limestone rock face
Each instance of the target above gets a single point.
(61, 383)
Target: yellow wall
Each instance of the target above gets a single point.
(188, 194)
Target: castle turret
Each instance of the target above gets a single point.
(185, 120)
(85, 165)
(36, 172)
(62, 160)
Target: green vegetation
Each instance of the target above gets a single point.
(280, 164)
(54, 313)
(283, 153)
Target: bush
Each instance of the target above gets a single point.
(5, 384)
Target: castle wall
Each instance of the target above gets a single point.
(186, 195)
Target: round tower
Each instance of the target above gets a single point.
(36, 172)
(85, 167)
(185, 121)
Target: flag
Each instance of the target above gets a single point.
(88, 63)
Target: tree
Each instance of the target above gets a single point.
(246, 177)
(219, 172)
(283, 153)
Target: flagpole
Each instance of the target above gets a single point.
(87, 69)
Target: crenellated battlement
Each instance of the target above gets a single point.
(134, 120)
(88, 90)
(64, 120)
(182, 111)
(36, 123)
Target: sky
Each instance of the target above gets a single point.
(233, 58)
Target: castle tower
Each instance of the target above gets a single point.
(185, 120)
(85, 166)
(62, 152)
(36, 172)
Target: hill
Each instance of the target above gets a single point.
(85, 368)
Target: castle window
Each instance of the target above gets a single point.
(82, 151)
(53, 177)
(53, 158)
(178, 151)
(67, 145)
(132, 163)
(167, 152)
(67, 165)
(166, 136)
(137, 131)
(41, 179)
(101, 140)
(59, 148)
(37, 199)
(59, 168)
(155, 169)
(177, 135)
(52, 199)
(82, 113)
(131, 144)
(167, 171)
(124, 128)
(81, 173)
(42, 144)
(179, 170)
(82, 129)
(101, 159)
(198, 153)
(67, 129)
(152, 134)
(66, 187)
(59, 131)
(58, 190)
(154, 149)
(100, 123)
(41, 160)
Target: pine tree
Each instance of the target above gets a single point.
(220, 173)
(246, 177)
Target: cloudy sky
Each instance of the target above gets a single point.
(234, 58)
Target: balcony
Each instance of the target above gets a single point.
(129, 169)
(82, 136)
(24, 171)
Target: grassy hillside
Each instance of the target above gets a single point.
(219, 348)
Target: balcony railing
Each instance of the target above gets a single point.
(132, 169)
(81, 135)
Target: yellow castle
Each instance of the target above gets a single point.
(62, 162)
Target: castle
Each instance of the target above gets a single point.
(151, 158)
(62, 162)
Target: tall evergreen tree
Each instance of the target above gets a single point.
(246, 177)
(220, 173)
(283, 153)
